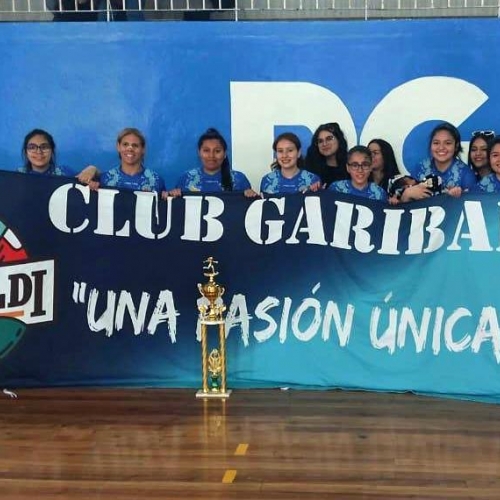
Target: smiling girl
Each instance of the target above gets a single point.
(327, 154)
(491, 182)
(287, 175)
(215, 173)
(478, 152)
(131, 173)
(39, 155)
(359, 167)
(445, 146)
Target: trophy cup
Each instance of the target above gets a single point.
(211, 309)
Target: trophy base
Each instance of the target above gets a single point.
(214, 395)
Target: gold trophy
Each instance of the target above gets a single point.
(211, 309)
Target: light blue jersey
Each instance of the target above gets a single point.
(488, 184)
(146, 180)
(371, 191)
(457, 174)
(197, 180)
(56, 170)
(275, 182)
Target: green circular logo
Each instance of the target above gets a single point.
(11, 329)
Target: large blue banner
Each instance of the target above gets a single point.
(322, 290)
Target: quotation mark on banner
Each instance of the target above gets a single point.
(119, 308)
(79, 290)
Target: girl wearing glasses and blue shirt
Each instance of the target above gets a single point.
(287, 176)
(39, 155)
(359, 165)
(445, 146)
(327, 154)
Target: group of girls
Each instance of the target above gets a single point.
(480, 174)
(366, 171)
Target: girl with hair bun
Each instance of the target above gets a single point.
(215, 173)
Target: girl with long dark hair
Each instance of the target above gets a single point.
(327, 154)
(215, 173)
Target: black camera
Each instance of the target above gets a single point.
(398, 184)
(434, 183)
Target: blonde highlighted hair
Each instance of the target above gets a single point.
(133, 131)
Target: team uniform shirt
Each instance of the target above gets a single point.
(275, 182)
(56, 170)
(457, 174)
(488, 184)
(146, 180)
(197, 180)
(371, 191)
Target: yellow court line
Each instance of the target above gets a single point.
(241, 449)
(229, 476)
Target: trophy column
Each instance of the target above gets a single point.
(213, 361)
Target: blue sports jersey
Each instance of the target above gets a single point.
(275, 182)
(371, 191)
(488, 184)
(457, 174)
(146, 180)
(57, 170)
(197, 180)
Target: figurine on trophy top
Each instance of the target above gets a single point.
(210, 305)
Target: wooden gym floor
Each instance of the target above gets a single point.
(164, 444)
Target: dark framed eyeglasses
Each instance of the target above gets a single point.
(483, 133)
(43, 148)
(360, 166)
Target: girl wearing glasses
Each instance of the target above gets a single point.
(215, 173)
(287, 176)
(39, 156)
(478, 152)
(491, 183)
(359, 166)
(131, 173)
(327, 154)
(445, 146)
(384, 166)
